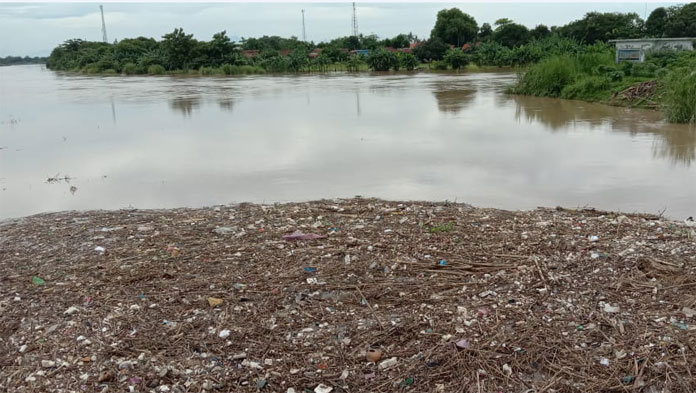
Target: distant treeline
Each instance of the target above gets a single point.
(455, 41)
(14, 60)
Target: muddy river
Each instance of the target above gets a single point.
(78, 142)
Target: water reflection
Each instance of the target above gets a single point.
(226, 104)
(185, 105)
(453, 99)
(113, 110)
(357, 101)
(677, 145)
(676, 142)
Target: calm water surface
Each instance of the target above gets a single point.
(154, 142)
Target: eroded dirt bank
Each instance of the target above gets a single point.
(457, 299)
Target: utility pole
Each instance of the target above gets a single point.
(304, 33)
(101, 8)
(355, 22)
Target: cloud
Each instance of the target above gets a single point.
(88, 21)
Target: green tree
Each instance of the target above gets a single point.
(399, 41)
(221, 50)
(370, 42)
(408, 60)
(596, 26)
(492, 53)
(656, 23)
(354, 63)
(511, 35)
(539, 32)
(454, 27)
(352, 43)
(503, 22)
(178, 48)
(456, 59)
(681, 21)
(298, 60)
(432, 49)
(485, 33)
(382, 60)
(335, 53)
(321, 62)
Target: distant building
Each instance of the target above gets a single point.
(250, 53)
(361, 52)
(636, 49)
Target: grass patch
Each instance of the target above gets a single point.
(155, 69)
(548, 78)
(679, 97)
(441, 228)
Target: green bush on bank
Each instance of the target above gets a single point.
(155, 69)
(229, 69)
(549, 77)
(132, 69)
(679, 96)
(585, 88)
(592, 75)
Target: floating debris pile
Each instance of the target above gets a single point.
(357, 295)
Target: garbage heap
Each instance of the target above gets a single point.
(357, 295)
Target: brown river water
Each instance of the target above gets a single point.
(70, 142)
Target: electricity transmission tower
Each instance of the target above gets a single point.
(101, 8)
(304, 33)
(355, 21)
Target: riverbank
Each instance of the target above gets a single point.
(666, 81)
(455, 298)
(251, 70)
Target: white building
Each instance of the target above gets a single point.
(636, 49)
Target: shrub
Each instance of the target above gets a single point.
(661, 73)
(456, 59)
(210, 71)
(354, 62)
(585, 88)
(131, 69)
(228, 69)
(646, 70)
(492, 53)
(382, 60)
(91, 68)
(673, 58)
(439, 65)
(408, 61)
(679, 97)
(548, 77)
(155, 69)
(588, 61)
(615, 76)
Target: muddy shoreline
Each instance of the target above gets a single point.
(455, 298)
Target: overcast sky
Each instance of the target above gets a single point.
(34, 29)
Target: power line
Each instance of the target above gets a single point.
(304, 33)
(355, 22)
(101, 8)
